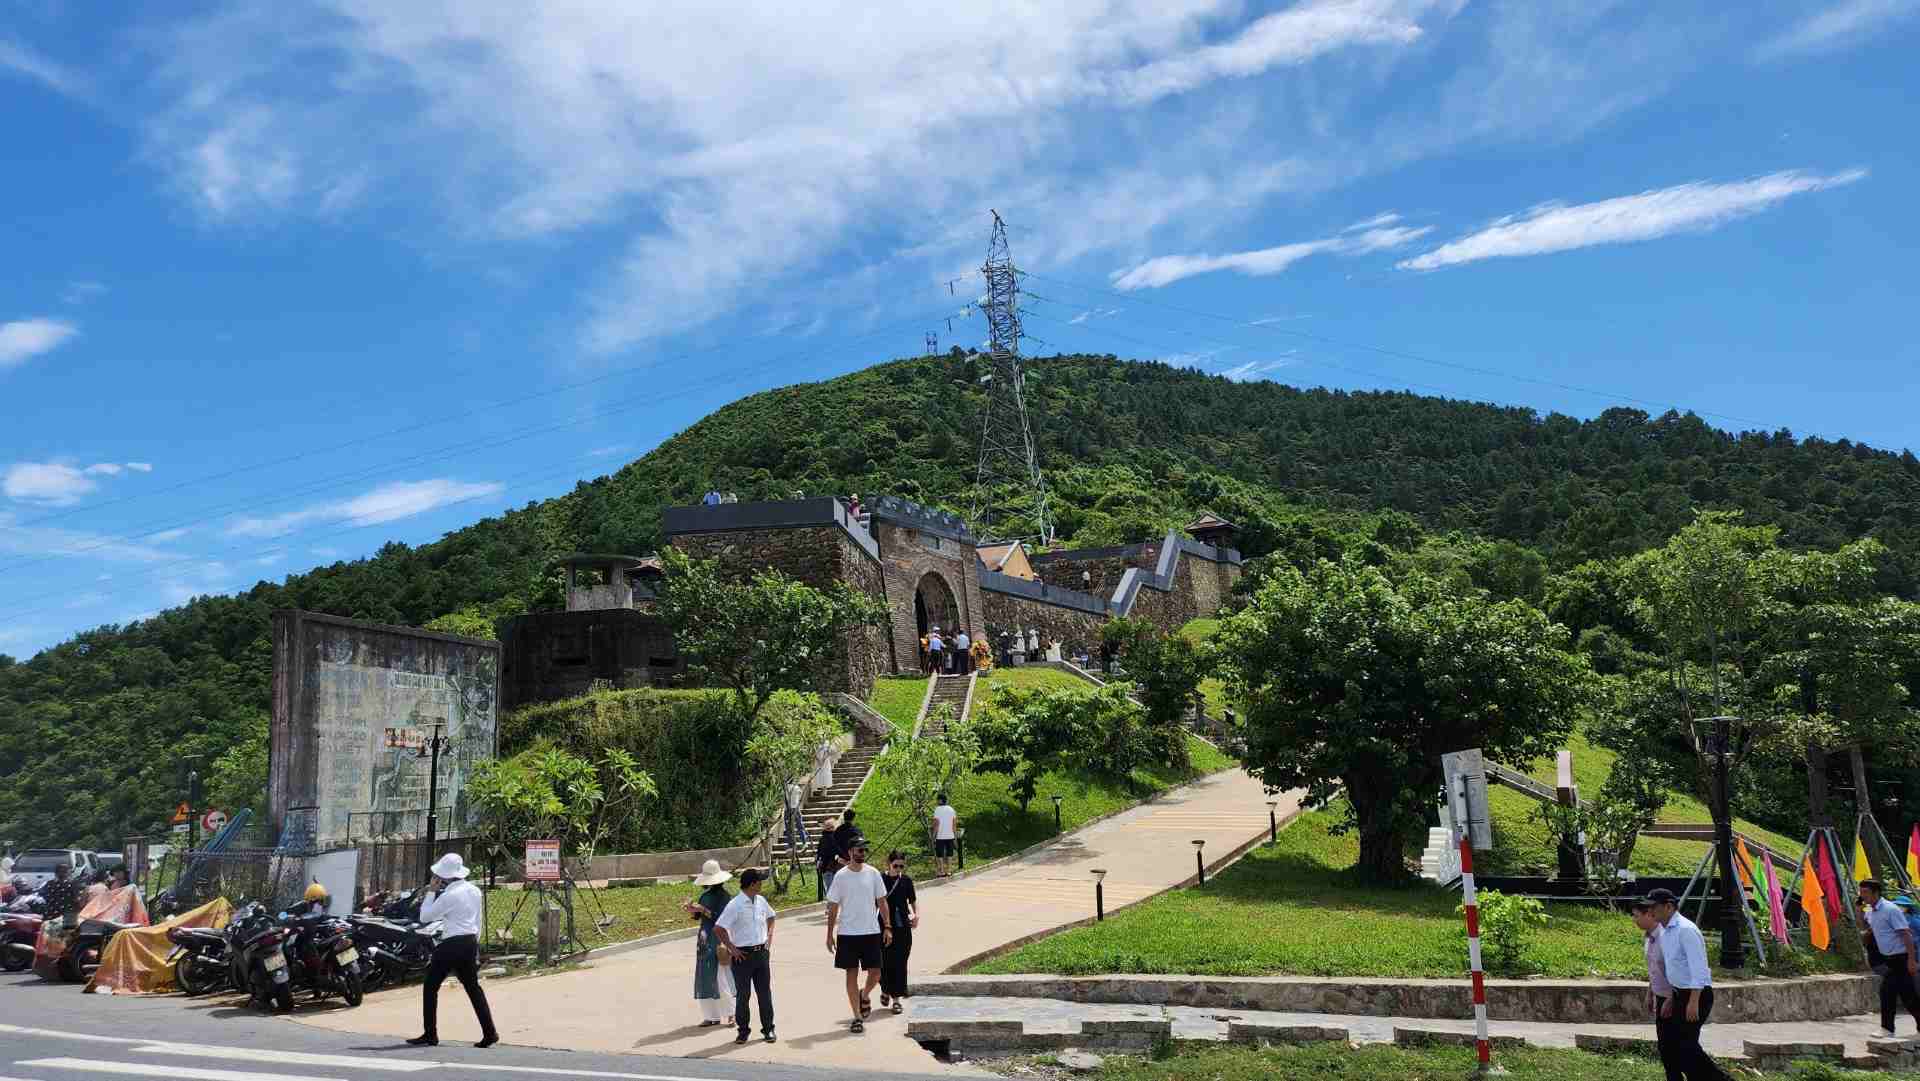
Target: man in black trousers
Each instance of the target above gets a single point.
(745, 928)
(458, 905)
(1887, 932)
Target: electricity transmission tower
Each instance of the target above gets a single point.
(1007, 456)
(933, 343)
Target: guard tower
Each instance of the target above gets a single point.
(596, 583)
(1211, 529)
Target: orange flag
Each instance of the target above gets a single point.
(1744, 862)
(1811, 903)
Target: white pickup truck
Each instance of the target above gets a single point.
(35, 865)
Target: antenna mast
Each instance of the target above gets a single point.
(1007, 454)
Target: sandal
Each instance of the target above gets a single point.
(898, 1005)
(866, 1007)
(885, 999)
(858, 1026)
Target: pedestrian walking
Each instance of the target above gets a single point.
(796, 821)
(833, 850)
(1684, 953)
(1659, 989)
(712, 975)
(746, 930)
(857, 911)
(1888, 932)
(936, 651)
(946, 833)
(457, 904)
(963, 653)
(926, 662)
(903, 918)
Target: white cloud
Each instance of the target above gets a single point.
(602, 452)
(387, 503)
(327, 553)
(167, 535)
(140, 467)
(1378, 221)
(1840, 24)
(80, 292)
(1256, 369)
(1095, 313)
(40, 541)
(1695, 207)
(59, 483)
(28, 338)
(1167, 269)
(23, 61)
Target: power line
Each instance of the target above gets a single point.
(512, 436)
(1400, 354)
(404, 430)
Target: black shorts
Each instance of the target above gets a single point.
(857, 951)
(943, 848)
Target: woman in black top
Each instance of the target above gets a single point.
(903, 912)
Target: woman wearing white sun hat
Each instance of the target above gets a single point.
(712, 977)
(458, 905)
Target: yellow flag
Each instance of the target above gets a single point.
(1861, 869)
(1813, 903)
(1913, 856)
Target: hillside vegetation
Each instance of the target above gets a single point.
(92, 731)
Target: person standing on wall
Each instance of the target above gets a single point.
(903, 917)
(857, 910)
(963, 653)
(946, 822)
(1887, 930)
(457, 904)
(1683, 950)
(745, 928)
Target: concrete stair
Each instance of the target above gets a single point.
(823, 807)
(949, 691)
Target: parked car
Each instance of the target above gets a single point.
(107, 861)
(35, 865)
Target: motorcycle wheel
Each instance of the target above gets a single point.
(352, 989)
(69, 967)
(13, 960)
(282, 997)
(195, 976)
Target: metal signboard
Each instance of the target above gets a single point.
(543, 861)
(1468, 800)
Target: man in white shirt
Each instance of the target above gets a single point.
(1684, 951)
(857, 907)
(457, 904)
(1887, 923)
(745, 928)
(963, 653)
(796, 821)
(946, 822)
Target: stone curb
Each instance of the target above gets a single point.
(1573, 1002)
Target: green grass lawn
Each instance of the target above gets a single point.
(637, 911)
(993, 820)
(898, 700)
(1523, 846)
(1383, 1062)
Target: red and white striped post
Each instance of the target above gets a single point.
(1463, 834)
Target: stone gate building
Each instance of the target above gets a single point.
(923, 564)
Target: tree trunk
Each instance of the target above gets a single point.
(1817, 813)
(1383, 844)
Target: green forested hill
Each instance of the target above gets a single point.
(91, 730)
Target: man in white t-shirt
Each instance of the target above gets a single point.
(857, 908)
(946, 822)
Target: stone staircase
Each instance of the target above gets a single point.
(823, 806)
(949, 691)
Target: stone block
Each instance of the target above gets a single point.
(1601, 1044)
(1251, 1032)
(1433, 1037)
(1160, 1027)
(1791, 1050)
(968, 1031)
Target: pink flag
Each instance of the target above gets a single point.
(1829, 882)
(1775, 908)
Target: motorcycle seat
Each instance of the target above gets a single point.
(103, 927)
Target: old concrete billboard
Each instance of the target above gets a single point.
(351, 703)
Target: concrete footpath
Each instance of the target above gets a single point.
(642, 1001)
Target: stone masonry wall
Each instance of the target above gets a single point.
(818, 556)
(1104, 571)
(906, 556)
(1076, 631)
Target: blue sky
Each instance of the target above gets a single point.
(283, 281)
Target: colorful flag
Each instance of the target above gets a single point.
(1813, 903)
(1776, 910)
(1913, 855)
(1745, 863)
(1829, 879)
(1862, 870)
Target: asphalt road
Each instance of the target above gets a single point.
(51, 1032)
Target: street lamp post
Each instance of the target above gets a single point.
(960, 846)
(1056, 814)
(430, 750)
(1200, 860)
(1733, 946)
(1099, 893)
(1273, 822)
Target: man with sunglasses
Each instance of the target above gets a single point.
(857, 909)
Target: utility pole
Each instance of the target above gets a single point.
(193, 800)
(1007, 454)
(431, 750)
(1733, 943)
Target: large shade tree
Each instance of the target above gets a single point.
(1356, 681)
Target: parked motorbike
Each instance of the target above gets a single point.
(256, 957)
(324, 959)
(85, 944)
(394, 951)
(199, 959)
(18, 933)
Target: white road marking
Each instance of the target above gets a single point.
(69, 1035)
(184, 1073)
(286, 1058)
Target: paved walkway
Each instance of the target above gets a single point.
(1198, 1023)
(642, 1001)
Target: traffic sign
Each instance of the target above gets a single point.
(543, 861)
(180, 828)
(213, 821)
(181, 814)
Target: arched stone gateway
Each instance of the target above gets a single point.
(934, 604)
